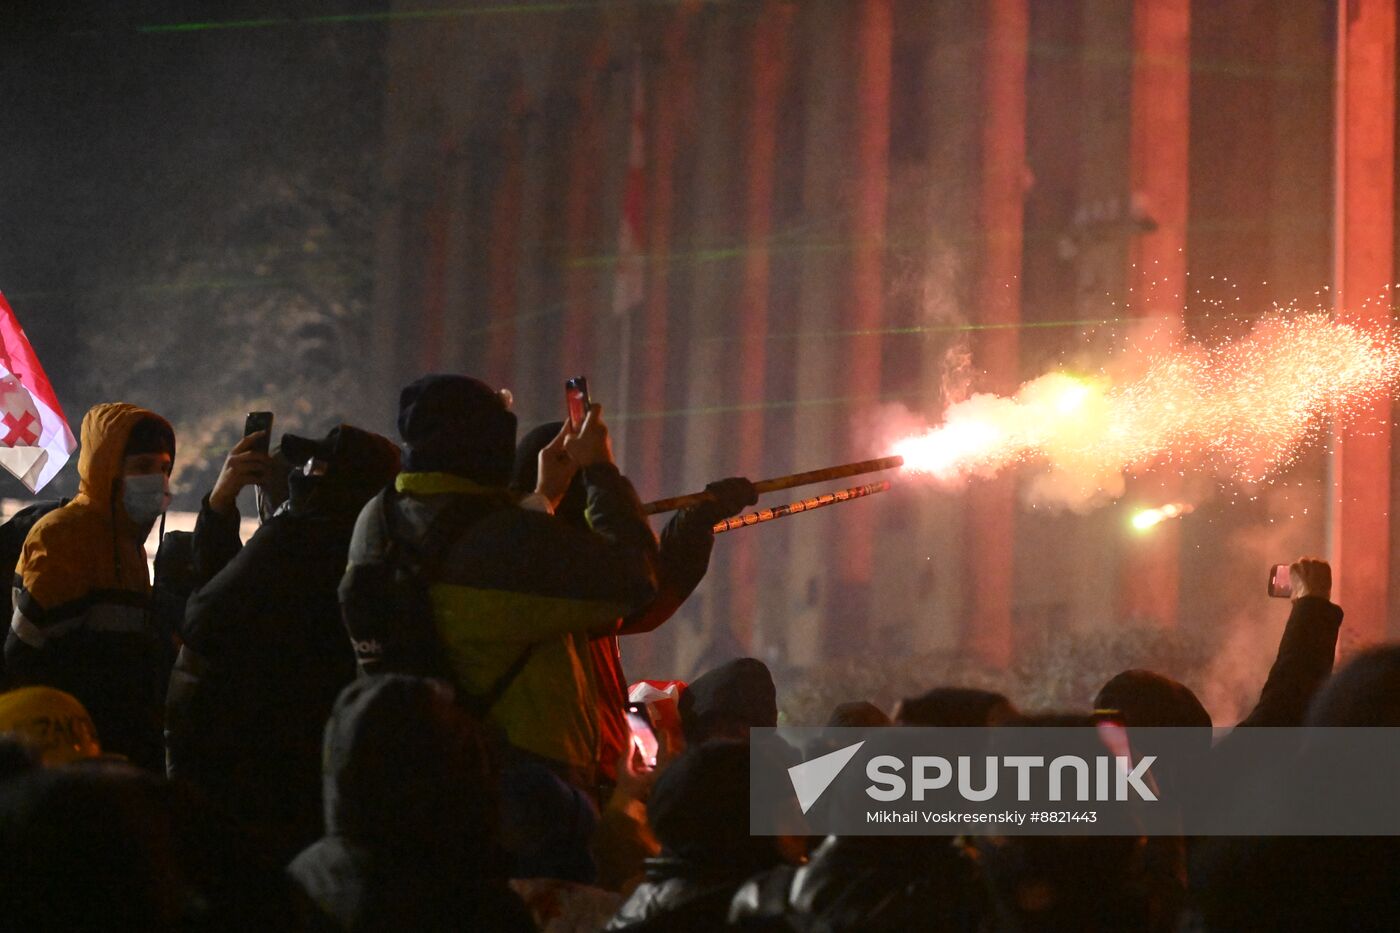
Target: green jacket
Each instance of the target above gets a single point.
(513, 578)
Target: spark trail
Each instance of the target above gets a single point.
(1242, 410)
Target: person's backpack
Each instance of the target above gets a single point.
(386, 607)
(16, 529)
(12, 535)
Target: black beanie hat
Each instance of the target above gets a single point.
(457, 424)
(1146, 698)
(150, 436)
(740, 693)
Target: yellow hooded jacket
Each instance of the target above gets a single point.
(81, 588)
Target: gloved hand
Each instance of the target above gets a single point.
(727, 497)
(688, 538)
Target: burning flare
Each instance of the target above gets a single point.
(1147, 519)
(1242, 409)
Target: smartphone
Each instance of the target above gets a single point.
(259, 421)
(1280, 585)
(643, 735)
(576, 395)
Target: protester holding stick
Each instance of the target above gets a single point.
(684, 559)
(509, 595)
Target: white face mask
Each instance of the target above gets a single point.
(145, 496)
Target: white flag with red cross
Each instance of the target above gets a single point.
(35, 440)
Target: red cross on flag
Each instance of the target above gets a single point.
(35, 440)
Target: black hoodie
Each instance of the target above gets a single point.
(265, 652)
(410, 813)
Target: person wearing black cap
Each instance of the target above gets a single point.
(80, 621)
(699, 811)
(265, 653)
(513, 593)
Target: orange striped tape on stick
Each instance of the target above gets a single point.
(804, 505)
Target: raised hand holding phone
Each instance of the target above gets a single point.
(556, 469)
(246, 465)
(1307, 576)
(591, 444)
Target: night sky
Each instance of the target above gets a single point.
(126, 146)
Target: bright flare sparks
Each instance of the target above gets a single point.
(1243, 410)
(1147, 519)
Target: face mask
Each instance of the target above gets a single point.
(145, 496)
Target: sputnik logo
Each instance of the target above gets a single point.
(811, 778)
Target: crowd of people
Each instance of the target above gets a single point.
(401, 705)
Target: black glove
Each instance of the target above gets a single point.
(727, 497)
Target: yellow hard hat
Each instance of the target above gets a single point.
(51, 722)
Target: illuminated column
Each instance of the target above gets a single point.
(581, 196)
(1160, 133)
(767, 68)
(668, 108)
(671, 103)
(818, 429)
(1365, 250)
(865, 308)
(503, 248)
(709, 362)
(991, 517)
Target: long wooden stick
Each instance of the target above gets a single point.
(805, 505)
(782, 482)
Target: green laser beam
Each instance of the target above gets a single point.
(1122, 57)
(784, 404)
(341, 19)
(784, 244)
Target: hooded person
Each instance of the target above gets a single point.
(101, 845)
(265, 653)
(81, 622)
(509, 595)
(88, 849)
(682, 562)
(410, 816)
(699, 810)
(727, 702)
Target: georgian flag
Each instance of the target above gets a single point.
(35, 440)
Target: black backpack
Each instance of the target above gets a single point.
(14, 531)
(387, 610)
(12, 535)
